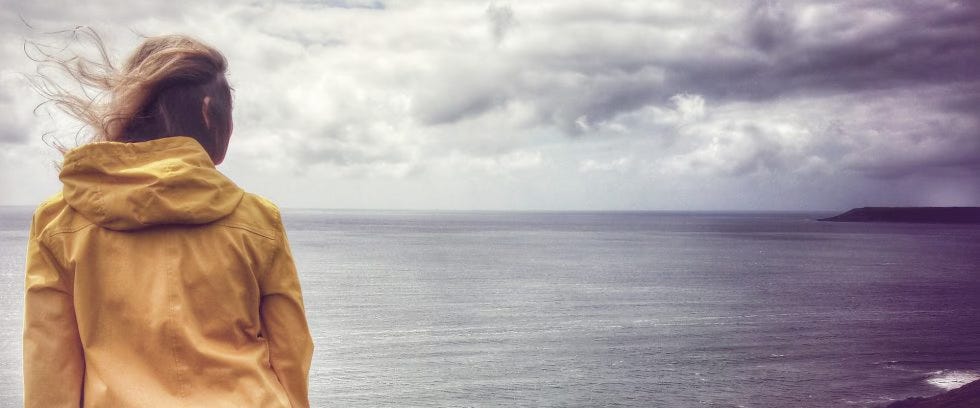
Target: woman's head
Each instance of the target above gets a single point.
(172, 85)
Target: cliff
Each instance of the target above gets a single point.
(967, 396)
(945, 215)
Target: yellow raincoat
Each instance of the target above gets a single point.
(154, 281)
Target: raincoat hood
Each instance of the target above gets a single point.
(128, 186)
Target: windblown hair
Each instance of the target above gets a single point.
(158, 92)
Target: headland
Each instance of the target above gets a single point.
(938, 215)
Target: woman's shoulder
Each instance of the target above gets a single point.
(51, 205)
(54, 216)
(256, 213)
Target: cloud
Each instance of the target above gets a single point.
(362, 4)
(591, 67)
(505, 163)
(619, 165)
(17, 103)
(564, 93)
(769, 25)
(501, 19)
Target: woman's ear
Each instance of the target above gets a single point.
(204, 111)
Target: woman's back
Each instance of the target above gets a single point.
(154, 281)
(166, 263)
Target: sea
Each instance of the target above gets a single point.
(612, 309)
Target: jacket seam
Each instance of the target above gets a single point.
(175, 348)
(50, 234)
(256, 231)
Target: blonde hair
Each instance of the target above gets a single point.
(158, 92)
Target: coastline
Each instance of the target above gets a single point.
(967, 396)
(939, 215)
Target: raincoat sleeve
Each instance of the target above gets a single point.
(284, 324)
(54, 365)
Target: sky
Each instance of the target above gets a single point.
(554, 104)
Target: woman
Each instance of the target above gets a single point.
(152, 279)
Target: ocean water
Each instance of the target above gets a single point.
(641, 309)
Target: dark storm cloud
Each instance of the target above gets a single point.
(943, 151)
(922, 44)
(591, 64)
(581, 66)
(766, 51)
